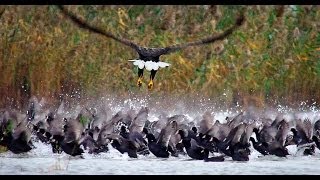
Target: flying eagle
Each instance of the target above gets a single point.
(149, 57)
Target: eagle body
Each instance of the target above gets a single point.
(149, 58)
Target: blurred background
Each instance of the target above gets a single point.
(273, 57)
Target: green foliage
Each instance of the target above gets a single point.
(137, 10)
(272, 17)
(9, 127)
(84, 120)
(226, 20)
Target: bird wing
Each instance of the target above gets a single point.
(158, 125)
(206, 123)
(74, 129)
(167, 132)
(156, 51)
(21, 127)
(268, 134)
(214, 129)
(237, 136)
(231, 134)
(302, 129)
(56, 126)
(248, 133)
(277, 120)
(81, 23)
(163, 64)
(282, 132)
(223, 132)
(2, 11)
(308, 128)
(207, 40)
(139, 121)
(236, 120)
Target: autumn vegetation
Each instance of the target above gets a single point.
(273, 57)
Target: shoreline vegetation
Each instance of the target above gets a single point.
(273, 58)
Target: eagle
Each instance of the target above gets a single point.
(149, 58)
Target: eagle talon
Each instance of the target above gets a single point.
(150, 85)
(139, 82)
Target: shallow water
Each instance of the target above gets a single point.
(41, 161)
(51, 165)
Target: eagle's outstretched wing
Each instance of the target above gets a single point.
(81, 23)
(154, 52)
(207, 40)
(2, 11)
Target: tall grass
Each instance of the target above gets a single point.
(275, 56)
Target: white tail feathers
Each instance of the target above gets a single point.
(163, 64)
(139, 63)
(149, 65)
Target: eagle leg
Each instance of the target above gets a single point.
(152, 75)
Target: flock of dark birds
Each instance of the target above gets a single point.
(92, 129)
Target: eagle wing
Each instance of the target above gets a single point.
(81, 23)
(155, 51)
(207, 40)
